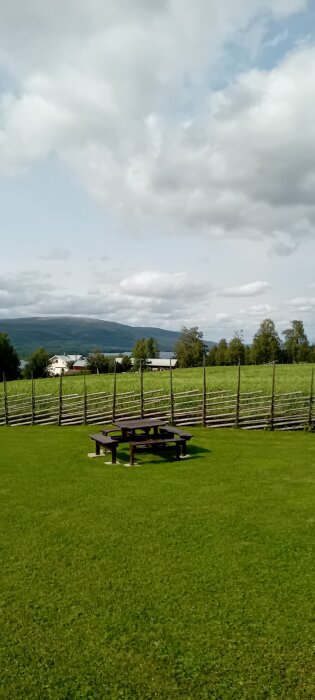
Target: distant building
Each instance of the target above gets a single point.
(59, 364)
(156, 365)
(159, 364)
(79, 365)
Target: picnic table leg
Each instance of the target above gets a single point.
(132, 455)
(184, 449)
(114, 454)
(97, 448)
(178, 450)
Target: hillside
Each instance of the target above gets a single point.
(80, 335)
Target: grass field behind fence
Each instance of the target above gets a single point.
(288, 378)
(190, 580)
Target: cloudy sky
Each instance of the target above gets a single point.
(157, 162)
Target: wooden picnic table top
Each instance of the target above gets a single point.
(133, 424)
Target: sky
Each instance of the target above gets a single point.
(157, 162)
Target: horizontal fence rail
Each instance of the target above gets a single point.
(212, 409)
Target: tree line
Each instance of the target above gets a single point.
(266, 347)
(190, 351)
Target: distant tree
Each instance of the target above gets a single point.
(153, 348)
(222, 353)
(37, 365)
(189, 348)
(125, 365)
(9, 359)
(217, 354)
(296, 345)
(236, 349)
(143, 349)
(248, 355)
(111, 360)
(266, 346)
(97, 363)
(140, 353)
(140, 350)
(311, 356)
(211, 356)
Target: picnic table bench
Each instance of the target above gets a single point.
(107, 431)
(107, 442)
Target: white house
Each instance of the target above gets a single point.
(58, 364)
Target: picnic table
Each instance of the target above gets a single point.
(130, 427)
(154, 434)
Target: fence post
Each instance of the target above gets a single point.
(310, 410)
(114, 396)
(171, 394)
(272, 403)
(141, 391)
(237, 406)
(204, 403)
(84, 400)
(33, 400)
(60, 401)
(6, 407)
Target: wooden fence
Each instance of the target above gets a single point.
(213, 409)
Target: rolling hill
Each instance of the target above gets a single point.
(80, 335)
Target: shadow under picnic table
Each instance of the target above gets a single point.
(161, 455)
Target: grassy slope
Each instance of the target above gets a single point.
(174, 580)
(288, 378)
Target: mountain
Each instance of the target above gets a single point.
(66, 334)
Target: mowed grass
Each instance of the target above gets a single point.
(171, 580)
(253, 378)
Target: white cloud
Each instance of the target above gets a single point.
(104, 88)
(303, 303)
(169, 299)
(160, 284)
(147, 300)
(260, 309)
(23, 291)
(246, 290)
(222, 317)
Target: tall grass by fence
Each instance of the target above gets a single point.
(213, 409)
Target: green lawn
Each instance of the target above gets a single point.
(288, 378)
(172, 580)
